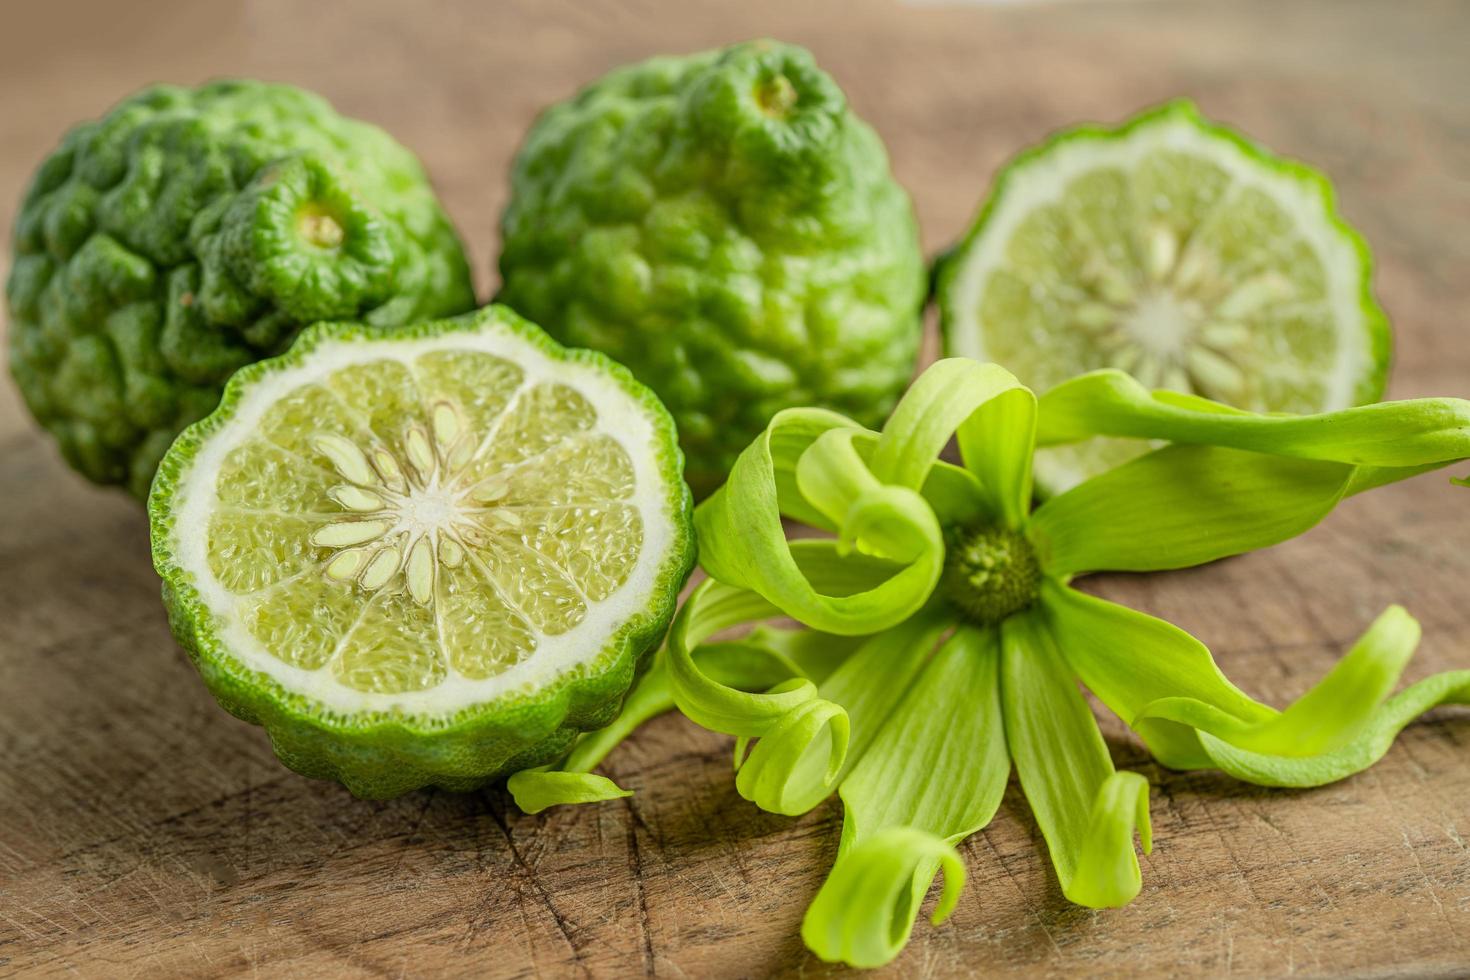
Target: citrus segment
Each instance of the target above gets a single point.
(263, 476)
(481, 386)
(539, 420)
(301, 619)
(483, 634)
(392, 648)
(253, 550)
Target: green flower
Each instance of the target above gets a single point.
(942, 640)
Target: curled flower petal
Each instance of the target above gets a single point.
(834, 478)
(760, 660)
(788, 772)
(720, 707)
(1332, 713)
(744, 542)
(814, 466)
(1344, 724)
(1395, 434)
(866, 908)
(1380, 729)
(1086, 811)
(806, 735)
(1163, 682)
(992, 416)
(1105, 871)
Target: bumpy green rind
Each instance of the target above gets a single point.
(723, 224)
(162, 247)
(378, 756)
(1369, 388)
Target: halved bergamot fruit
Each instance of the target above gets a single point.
(428, 557)
(1179, 251)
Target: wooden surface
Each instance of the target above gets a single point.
(144, 832)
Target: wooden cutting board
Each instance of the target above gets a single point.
(145, 833)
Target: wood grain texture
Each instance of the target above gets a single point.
(145, 833)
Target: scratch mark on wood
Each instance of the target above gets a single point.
(534, 881)
(635, 858)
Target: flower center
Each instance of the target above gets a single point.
(990, 573)
(412, 508)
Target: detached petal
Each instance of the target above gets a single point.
(1184, 505)
(1341, 726)
(1086, 811)
(934, 774)
(536, 789)
(572, 780)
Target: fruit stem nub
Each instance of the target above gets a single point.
(319, 228)
(777, 96)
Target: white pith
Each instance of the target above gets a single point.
(619, 417)
(1043, 181)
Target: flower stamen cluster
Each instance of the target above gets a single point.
(989, 573)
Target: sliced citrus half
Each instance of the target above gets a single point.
(427, 557)
(1179, 251)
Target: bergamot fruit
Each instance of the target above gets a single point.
(1179, 251)
(724, 225)
(426, 556)
(191, 231)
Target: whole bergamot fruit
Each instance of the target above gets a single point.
(192, 231)
(725, 226)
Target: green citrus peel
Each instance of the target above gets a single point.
(943, 640)
(724, 225)
(192, 231)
